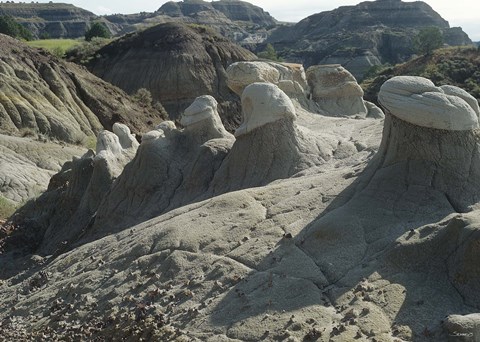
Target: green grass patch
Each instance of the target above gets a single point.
(58, 47)
(7, 208)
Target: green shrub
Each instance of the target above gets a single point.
(428, 40)
(97, 30)
(143, 97)
(7, 208)
(269, 53)
(85, 51)
(10, 27)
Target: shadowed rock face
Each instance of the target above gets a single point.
(60, 100)
(177, 63)
(75, 193)
(233, 10)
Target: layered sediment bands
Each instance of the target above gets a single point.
(44, 95)
(177, 63)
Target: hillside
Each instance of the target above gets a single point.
(56, 20)
(458, 66)
(360, 36)
(47, 103)
(177, 63)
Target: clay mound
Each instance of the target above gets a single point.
(44, 95)
(177, 63)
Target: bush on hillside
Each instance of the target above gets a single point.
(269, 53)
(97, 30)
(428, 40)
(84, 52)
(10, 27)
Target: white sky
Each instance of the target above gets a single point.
(464, 13)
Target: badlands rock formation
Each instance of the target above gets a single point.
(360, 36)
(57, 20)
(371, 246)
(26, 166)
(288, 77)
(177, 63)
(327, 89)
(74, 194)
(337, 92)
(41, 94)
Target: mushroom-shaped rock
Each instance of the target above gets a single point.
(126, 138)
(418, 101)
(336, 91)
(242, 74)
(75, 193)
(287, 76)
(419, 175)
(202, 122)
(173, 167)
(269, 145)
(263, 103)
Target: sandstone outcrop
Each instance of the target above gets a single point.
(177, 63)
(26, 166)
(288, 77)
(337, 92)
(269, 144)
(40, 94)
(417, 101)
(171, 169)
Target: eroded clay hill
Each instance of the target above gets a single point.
(177, 63)
(313, 226)
(60, 100)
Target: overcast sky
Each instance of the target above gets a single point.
(464, 13)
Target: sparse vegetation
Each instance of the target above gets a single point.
(459, 66)
(57, 47)
(97, 30)
(143, 97)
(428, 40)
(269, 53)
(10, 27)
(83, 52)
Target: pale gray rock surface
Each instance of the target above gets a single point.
(75, 193)
(463, 328)
(173, 167)
(336, 91)
(418, 101)
(26, 166)
(367, 245)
